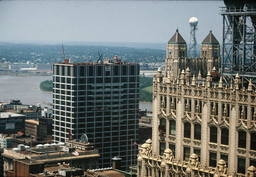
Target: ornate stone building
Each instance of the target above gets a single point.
(214, 122)
(176, 56)
(149, 164)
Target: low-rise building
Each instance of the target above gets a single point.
(43, 66)
(5, 142)
(25, 167)
(10, 123)
(83, 156)
(31, 127)
(1, 162)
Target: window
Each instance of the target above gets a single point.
(116, 70)
(170, 52)
(197, 131)
(81, 70)
(186, 154)
(212, 160)
(99, 73)
(187, 130)
(213, 134)
(224, 136)
(224, 157)
(90, 70)
(198, 153)
(242, 139)
(162, 149)
(124, 70)
(172, 127)
(253, 141)
(253, 162)
(162, 126)
(132, 70)
(241, 165)
(172, 147)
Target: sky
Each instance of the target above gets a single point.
(106, 21)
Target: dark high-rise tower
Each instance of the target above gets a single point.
(101, 100)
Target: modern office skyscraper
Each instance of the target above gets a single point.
(101, 100)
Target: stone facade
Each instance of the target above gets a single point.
(176, 56)
(195, 115)
(149, 164)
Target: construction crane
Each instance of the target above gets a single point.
(100, 57)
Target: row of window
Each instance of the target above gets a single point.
(96, 70)
(214, 107)
(213, 133)
(84, 80)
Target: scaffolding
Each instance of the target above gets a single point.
(239, 44)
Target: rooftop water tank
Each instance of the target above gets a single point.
(61, 144)
(54, 144)
(39, 146)
(47, 145)
(21, 147)
(15, 149)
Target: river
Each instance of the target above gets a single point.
(27, 90)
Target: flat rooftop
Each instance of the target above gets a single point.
(32, 121)
(10, 114)
(51, 154)
(105, 62)
(29, 161)
(110, 173)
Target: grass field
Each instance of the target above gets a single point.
(148, 89)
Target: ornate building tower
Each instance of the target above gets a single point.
(176, 49)
(198, 122)
(210, 50)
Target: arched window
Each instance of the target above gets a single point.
(187, 130)
(197, 131)
(224, 136)
(253, 141)
(213, 134)
(242, 139)
(162, 126)
(172, 127)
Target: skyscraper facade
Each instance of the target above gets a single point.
(201, 125)
(100, 100)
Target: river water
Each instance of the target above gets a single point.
(27, 90)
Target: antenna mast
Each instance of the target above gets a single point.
(193, 21)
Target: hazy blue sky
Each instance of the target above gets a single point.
(106, 21)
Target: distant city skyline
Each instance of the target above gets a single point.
(106, 21)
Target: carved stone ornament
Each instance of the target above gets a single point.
(197, 119)
(172, 138)
(224, 147)
(224, 123)
(241, 126)
(186, 141)
(252, 153)
(213, 122)
(213, 145)
(186, 118)
(241, 151)
(252, 127)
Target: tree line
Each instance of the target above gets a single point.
(46, 85)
